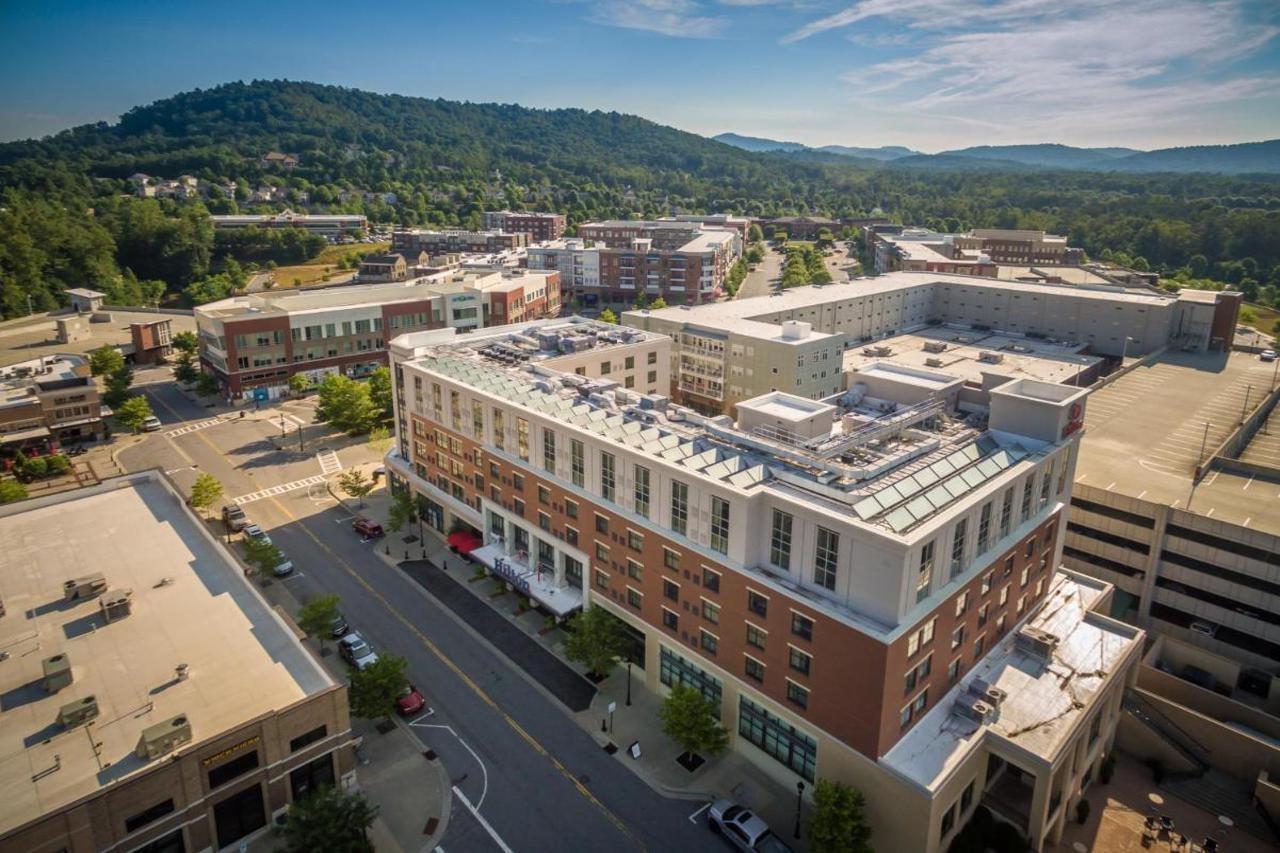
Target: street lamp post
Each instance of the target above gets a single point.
(628, 684)
(799, 805)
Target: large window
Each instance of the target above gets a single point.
(312, 776)
(924, 577)
(548, 451)
(239, 815)
(1006, 513)
(984, 528)
(778, 738)
(825, 558)
(957, 546)
(608, 476)
(147, 816)
(719, 525)
(577, 465)
(641, 493)
(679, 507)
(319, 732)
(522, 438)
(673, 670)
(780, 540)
(499, 430)
(1028, 490)
(224, 773)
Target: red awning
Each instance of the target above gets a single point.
(464, 543)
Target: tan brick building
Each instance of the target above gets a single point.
(166, 706)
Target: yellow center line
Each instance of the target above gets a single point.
(466, 679)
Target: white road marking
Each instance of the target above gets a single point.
(484, 772)
(329, 462)
(431, 712)
(480, 818)
(693, 818)
(278, 490)
(174, 433)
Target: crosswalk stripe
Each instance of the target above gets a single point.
(279, 490)
(174, 433)
(329, 462)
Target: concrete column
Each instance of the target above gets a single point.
(558, 560)
(509, 539)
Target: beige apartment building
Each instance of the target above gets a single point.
(867, 589)
(46, 403)
(137, 728)
(792, 341)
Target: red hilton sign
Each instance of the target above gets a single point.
(1075, 419)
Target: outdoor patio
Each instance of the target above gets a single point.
(1119, 808)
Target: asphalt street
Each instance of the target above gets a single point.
(535, 779)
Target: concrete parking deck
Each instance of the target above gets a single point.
(1145, 433)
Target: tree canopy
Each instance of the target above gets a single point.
(375, 688)
(596, 640)
(329, 819)
(838, 823)
(692, 721)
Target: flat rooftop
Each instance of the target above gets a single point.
(1068, 274)
(364, 295)
(1048, 361)
(1144, 433)
(727, 314)
(1044, 702)
(243, 660)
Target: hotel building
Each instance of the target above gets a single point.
(866, 588)
(539, 226)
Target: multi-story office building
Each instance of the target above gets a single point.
(446, 242)
(621, 261)
(865, 589)
(737, 350)
(323, 224)
(260, 340)
(165, 705)
(46, 402)
(539, 226)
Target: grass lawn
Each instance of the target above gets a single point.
(1267, 317)
(313, 271)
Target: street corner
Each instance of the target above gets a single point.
(407, 783)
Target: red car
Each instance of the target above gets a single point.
(410, 701)
(367, 529)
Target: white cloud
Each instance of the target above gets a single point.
(678, 18)
(1028, 64)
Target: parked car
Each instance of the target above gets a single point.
(410, 701)
(284, 569)
(253, 531)
(743, 828)
(368, 529)
(339, 627)
(355, 651)
(234, 518)
(1267, 355)
(151, 424)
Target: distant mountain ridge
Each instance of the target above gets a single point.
(1242, 158)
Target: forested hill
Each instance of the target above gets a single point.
(365, 137)
(70, 218)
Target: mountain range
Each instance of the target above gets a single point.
(1243, 158)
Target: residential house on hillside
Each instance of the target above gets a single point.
(276, 160)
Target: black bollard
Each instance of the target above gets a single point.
(388, 550)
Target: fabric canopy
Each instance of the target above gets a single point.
(464, 542)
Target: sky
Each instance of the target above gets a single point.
(929, 74)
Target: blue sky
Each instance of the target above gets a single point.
(930, 74)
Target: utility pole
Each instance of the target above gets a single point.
(1245, 407)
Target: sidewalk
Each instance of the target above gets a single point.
(729, 775)
(412, 793)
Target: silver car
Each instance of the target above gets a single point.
(356, 651)
(743, 828)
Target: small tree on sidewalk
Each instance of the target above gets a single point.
(838, 823)
(375, 689)
(355, 484)
(379, 440)
(205, 492)
(263, 556)
(329, 819)
(595, 640)
(317, 616)
(300, 383)
(403, 510)
(693, 722)
(133, 412)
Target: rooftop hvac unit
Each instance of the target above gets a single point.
(933, 362)
(991, 357)
(935, 346)
(657, 402)
(84, 587)
(163, 738)
(1037, 643)
(57, 673)
(78, 712)
(993, 696)
(971, 709)
(878, 352)
(115, 604)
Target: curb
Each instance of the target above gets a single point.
(446, 792)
